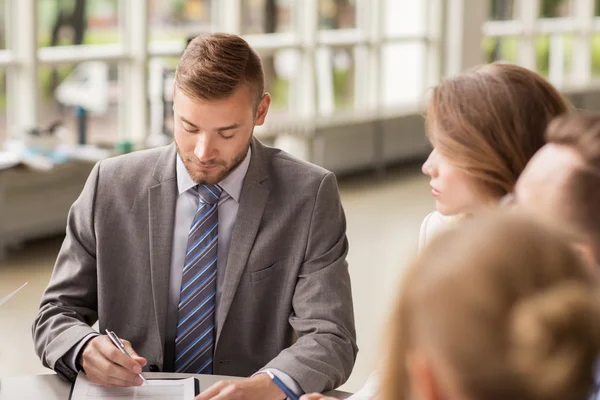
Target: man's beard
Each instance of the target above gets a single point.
(204, 179)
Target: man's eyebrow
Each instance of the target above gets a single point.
(188, 122)
(228, 127)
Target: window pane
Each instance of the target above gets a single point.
(160, 92)
(502, 10)
(69, 22)
(500, 49)
(403, 71)
(555, 8)
(266, 16)
(405, 17)
(337, 14)
(596, 55)
(335, 74)
(555, 57)
(179, 19)
(280, 68)
(2, 25)
(3, 135)
(75, 83)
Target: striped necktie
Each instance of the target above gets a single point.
(194, 343)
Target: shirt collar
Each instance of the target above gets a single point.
(232, 184)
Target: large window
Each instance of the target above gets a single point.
(558, 38)
(321, 57)
(73, 22)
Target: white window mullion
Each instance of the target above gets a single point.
(527, 12)
(464, 33)
(133, 75)
(304, 99)
(229, 16)
(581, 71)
(361, 53)
(434, 52)
(376, 33)
(22, 79)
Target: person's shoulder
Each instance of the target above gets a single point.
(286, 167)
(138, 159)
(432, 224)
(136, 168)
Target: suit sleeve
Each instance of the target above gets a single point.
(323, 316)
(69, 304)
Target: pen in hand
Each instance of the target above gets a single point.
(117, 342)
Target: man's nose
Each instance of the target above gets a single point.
(204, 149)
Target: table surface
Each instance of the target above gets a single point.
(51, 387)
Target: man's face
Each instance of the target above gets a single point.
(213, 137)
(540, 191)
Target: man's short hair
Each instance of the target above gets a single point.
(581, 194)
(215, 65)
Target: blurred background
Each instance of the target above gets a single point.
(81, 80)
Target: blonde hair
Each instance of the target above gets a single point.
(507, 305)
(489, 121)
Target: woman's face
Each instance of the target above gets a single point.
(455, 192)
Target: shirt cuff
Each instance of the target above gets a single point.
(70, 357)
(285, 378)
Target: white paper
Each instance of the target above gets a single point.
(156, 389)
(4, 300)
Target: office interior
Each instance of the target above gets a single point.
(82, 80)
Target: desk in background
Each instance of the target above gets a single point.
(51, 387)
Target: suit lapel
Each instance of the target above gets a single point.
(253, 200)
(162, 199)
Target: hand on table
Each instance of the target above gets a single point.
(258, 387)
(105, 364)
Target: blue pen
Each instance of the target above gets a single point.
(288, 392)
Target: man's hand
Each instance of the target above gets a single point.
(105, 364)
(259, 387)
(316, 396)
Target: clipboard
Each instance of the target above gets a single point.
(196, 384)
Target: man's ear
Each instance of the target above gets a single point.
(262, 109)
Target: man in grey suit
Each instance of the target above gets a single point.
(215, 254)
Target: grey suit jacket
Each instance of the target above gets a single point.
(286, 299)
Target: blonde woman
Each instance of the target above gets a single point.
(484, 125)
(500, 308)
(497, 308)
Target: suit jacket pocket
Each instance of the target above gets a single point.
(264, 273)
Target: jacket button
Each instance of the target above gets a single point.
(154, 368)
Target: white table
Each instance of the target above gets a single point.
(51, 387)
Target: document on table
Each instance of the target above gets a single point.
(5, 299)
(156, 389)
